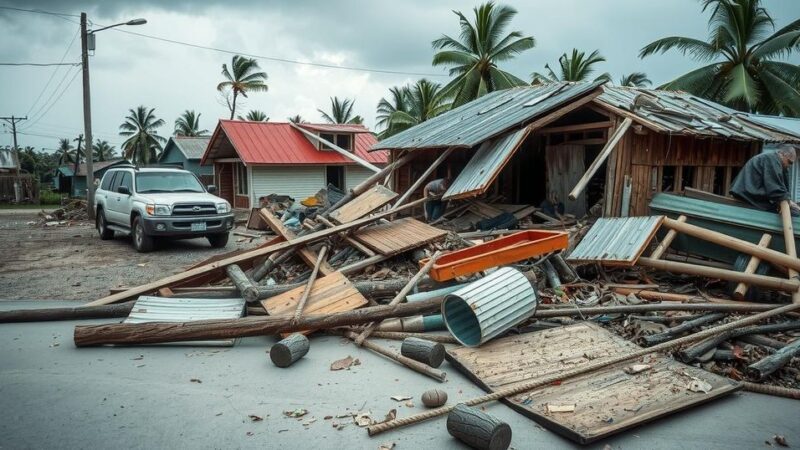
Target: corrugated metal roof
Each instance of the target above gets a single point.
(617, 240)
(162, 309)
(484, 165)
(8, 158)
(486, 117)
(682, 113)
(335, 128)
(279, 143)
(191, 147)
(789, 125)
(67, 169)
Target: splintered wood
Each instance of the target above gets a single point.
(364, 204)
(594, 405)
(333, 293)
(306, 254)
(399, 236)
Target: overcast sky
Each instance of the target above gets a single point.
(129, 70)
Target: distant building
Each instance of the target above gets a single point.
(66, 181)
(8, 161)
(185, 152)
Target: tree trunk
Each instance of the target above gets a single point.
(676, 331)
(76, 313)
(478, 429)
(689, 354)
(565, 271)
(430, 353)
(289, 350)
(246, 287)
(233, 105)
(773, 362)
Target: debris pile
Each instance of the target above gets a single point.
(73, 211)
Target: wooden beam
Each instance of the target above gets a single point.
(779, 284)
(357, 245)
(667, 241)
(422, 178)
(576, 127)
(219, 265)
(741, 288)
(788, 238)
(564, 110)
(306, 254)
(615, 138)
(337, 149)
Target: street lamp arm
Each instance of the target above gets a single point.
(130, 22)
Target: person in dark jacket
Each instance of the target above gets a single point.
(764, 180)
(433, 192)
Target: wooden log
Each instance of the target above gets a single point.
(767, 389)
(76, 313)
(667, 296)
(773, 362)
(289, 350)
(426, 352)
(730, 275)
(259, 252)
(788, 239)
(306, 254)
(422, 178)
(551, 275)
(358, 266)
(689, 354)
(764, 341)
(733, 243)
(478, 429)
(667, 241)
(400, 336)
(354, 243)
(417, 366)
(565, 271)
(154, 333)
(311, 279)
(741, 288)
(601, 157)
(573, 311)
(676, 331)
(247, 288)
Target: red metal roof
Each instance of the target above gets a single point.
(335, 128)
(279, 143)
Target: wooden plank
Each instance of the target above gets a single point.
(601, 158)
(576, 127)
(560, 112)
(330, 294)
(363, 204)
(605, 401)
(255, 222)
(306, 254)
(399, 236)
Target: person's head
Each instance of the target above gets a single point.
(787, 154)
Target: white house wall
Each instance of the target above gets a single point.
(354, 175)
(297, 182)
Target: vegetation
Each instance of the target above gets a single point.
(473, 57)
(296, 119)
(409, 106)
(48, 197)
(188, 125)
(65, 152)
(103, 150)
(574, 67)
(635, 79)
(243, 77)
(39, 163)
(78, 153)
(255, 116)
(744, 71)
(341, 112)
(142, 144)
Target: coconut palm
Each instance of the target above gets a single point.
(188, 124)
(635, 79)
(474, 56)
(78, 153)
(296, 119)
(575, 67)
(412, 105)
(103, 150)
(143, 144)
(255, 116)
(65, 152)
(743, 50)
(243, 77)
(341, 112)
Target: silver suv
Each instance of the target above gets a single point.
(159, 202)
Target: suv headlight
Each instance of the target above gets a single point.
(223, 208)
(159, 210)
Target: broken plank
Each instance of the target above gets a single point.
(399, 236)
(364, 204)
(306, 254)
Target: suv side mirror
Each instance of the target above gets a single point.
(211, 189)
(124, 190)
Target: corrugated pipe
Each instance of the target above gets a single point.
(489, 307)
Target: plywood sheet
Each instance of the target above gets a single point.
(606, 401)
(364, 204)
(330, 294)
(399, 236)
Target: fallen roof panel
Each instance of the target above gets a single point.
(616, 240)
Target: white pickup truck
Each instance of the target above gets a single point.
(149, 203)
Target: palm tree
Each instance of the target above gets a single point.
(143, 144)
(577, 67)
(188, 124)
(78, 153)
(635, 79)
(341, 112)
(103, 150)
(244, 78)
(65, 152)
(255, 116)
(743, 72)
(412, 105)
(296, 119)
(473, 57)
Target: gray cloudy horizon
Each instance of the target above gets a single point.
(129, 70)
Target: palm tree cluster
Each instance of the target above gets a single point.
(410, 105)
(341, 112)
(143, 144)
(188, 125)
(575, 67)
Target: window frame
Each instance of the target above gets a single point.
(334, 138)
(241, 180)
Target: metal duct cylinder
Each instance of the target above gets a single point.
(487, 308)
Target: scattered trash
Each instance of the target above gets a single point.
(554, 408)
(401, 398)
(299, 412)
(699, 386)
(255, 418)
(345, 363)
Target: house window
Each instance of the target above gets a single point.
(328, 137)
(241, 179)
(344, 141)
(335, 176)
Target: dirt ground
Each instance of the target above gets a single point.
(72, 263)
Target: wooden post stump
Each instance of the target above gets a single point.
(478, 429)
(289, 350)
(773, 362)
(427, 352)
(246, 287)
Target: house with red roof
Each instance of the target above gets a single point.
(256, 159)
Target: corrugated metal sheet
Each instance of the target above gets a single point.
(335, 128)
(354, 175)
(297, 182)
(617, 240)
(279, 143)
(98, 165)
(683, 113)
(486, 117)
(191, 147)
(488, 307)
(485, 164)
(161, 309)
(8, 158)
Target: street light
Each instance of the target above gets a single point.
(87, 107)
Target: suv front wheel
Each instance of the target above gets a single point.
(102, 226)
(218, 240)
(141, 241)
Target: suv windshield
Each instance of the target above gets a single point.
(167, 182)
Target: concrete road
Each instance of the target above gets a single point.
(53, 395)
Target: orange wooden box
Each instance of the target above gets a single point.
(501, 251)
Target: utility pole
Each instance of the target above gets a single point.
(13, 121)
(87, 119)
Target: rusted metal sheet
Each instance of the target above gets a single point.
(617, 240)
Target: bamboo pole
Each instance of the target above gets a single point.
(652, 307)
(788, 238)
(779, 284)
(741, 288)
(667, 241)
(417, 366)
(564, 375)
(400, 335)
(311, 279)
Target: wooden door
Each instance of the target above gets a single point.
(565, 166)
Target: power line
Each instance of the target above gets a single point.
(39, 64)
(40, 11)
(66, 88)
(52, 74)
(50, 97)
